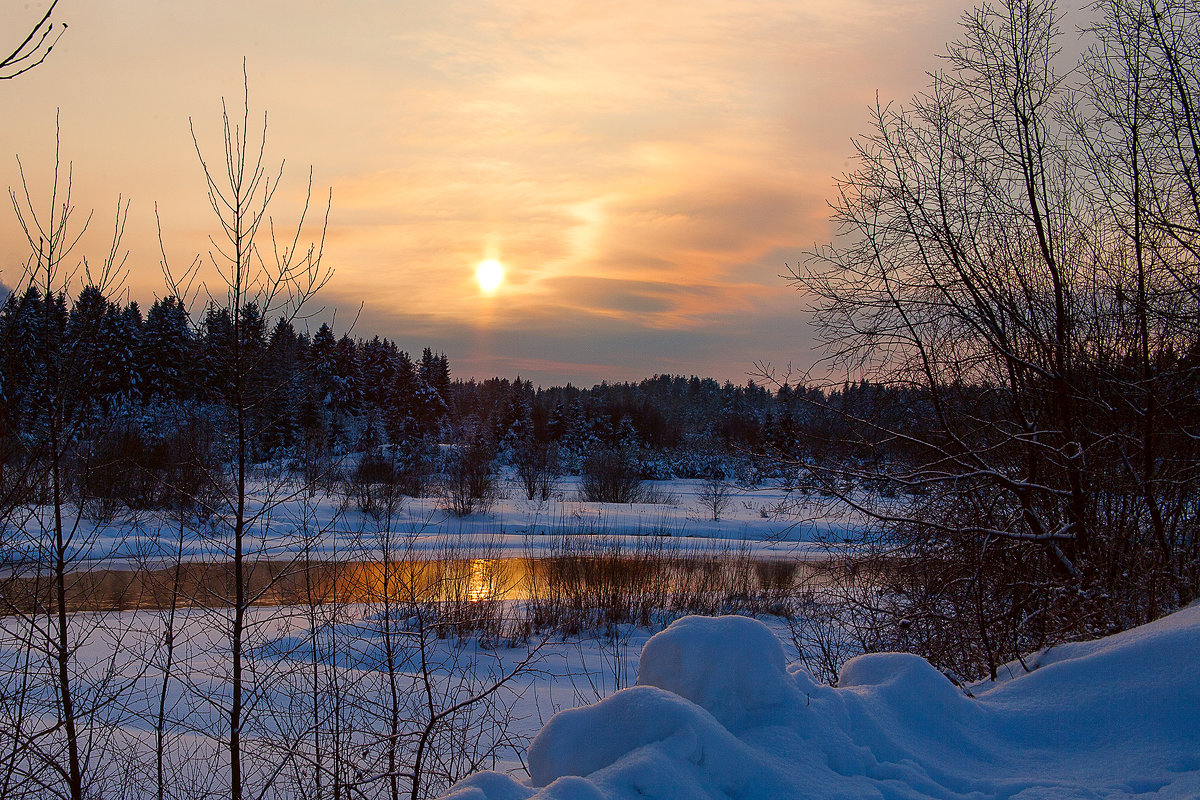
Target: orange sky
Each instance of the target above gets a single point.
(644, 171)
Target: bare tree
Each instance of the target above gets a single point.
(1018, 263)
(715, 496)
(468, 484)
(535, 460)
(35, 47)
(50, 546)
(257, 268)
(434, 700)
(1140, 130)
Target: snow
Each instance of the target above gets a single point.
(695, 656)
(293, 653)
(764, 520)
(717, 713)
(716, 710)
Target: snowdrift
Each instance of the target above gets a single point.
(717, 713)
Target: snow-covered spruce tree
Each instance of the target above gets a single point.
(412, 418)
(1019, 258)
(165, 351)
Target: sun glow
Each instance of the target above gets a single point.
(489, 274)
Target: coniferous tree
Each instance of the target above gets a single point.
(378, 363)
(322, 363)
(347, 376)
(165, 352)
(435, 371)
(217, 353)
(282, 388)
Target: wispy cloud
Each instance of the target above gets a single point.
(642, 170)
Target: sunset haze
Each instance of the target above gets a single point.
(643, 172)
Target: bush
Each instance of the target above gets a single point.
(610, 476)
(537, 465)
(715, 497)
(376, 486)
(150, 463)
(467, 481)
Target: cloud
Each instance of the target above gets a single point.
(642, 170)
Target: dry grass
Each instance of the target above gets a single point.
(563, 584)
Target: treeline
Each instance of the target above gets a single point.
(307, 384)
(681, 427)
(135, 386)
(151, 398)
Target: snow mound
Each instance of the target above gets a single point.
(581, 741)
(717, 713)
(732, 667)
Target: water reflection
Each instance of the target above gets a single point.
(578, 580)
(472, 580)
(483, 583)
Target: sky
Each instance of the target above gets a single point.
(645, 173)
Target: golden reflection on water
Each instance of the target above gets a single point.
(482, 583)
(582, 580)
(473, 580)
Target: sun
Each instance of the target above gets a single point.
(489, 274)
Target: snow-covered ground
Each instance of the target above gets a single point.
(717, 713)
(767, 520)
